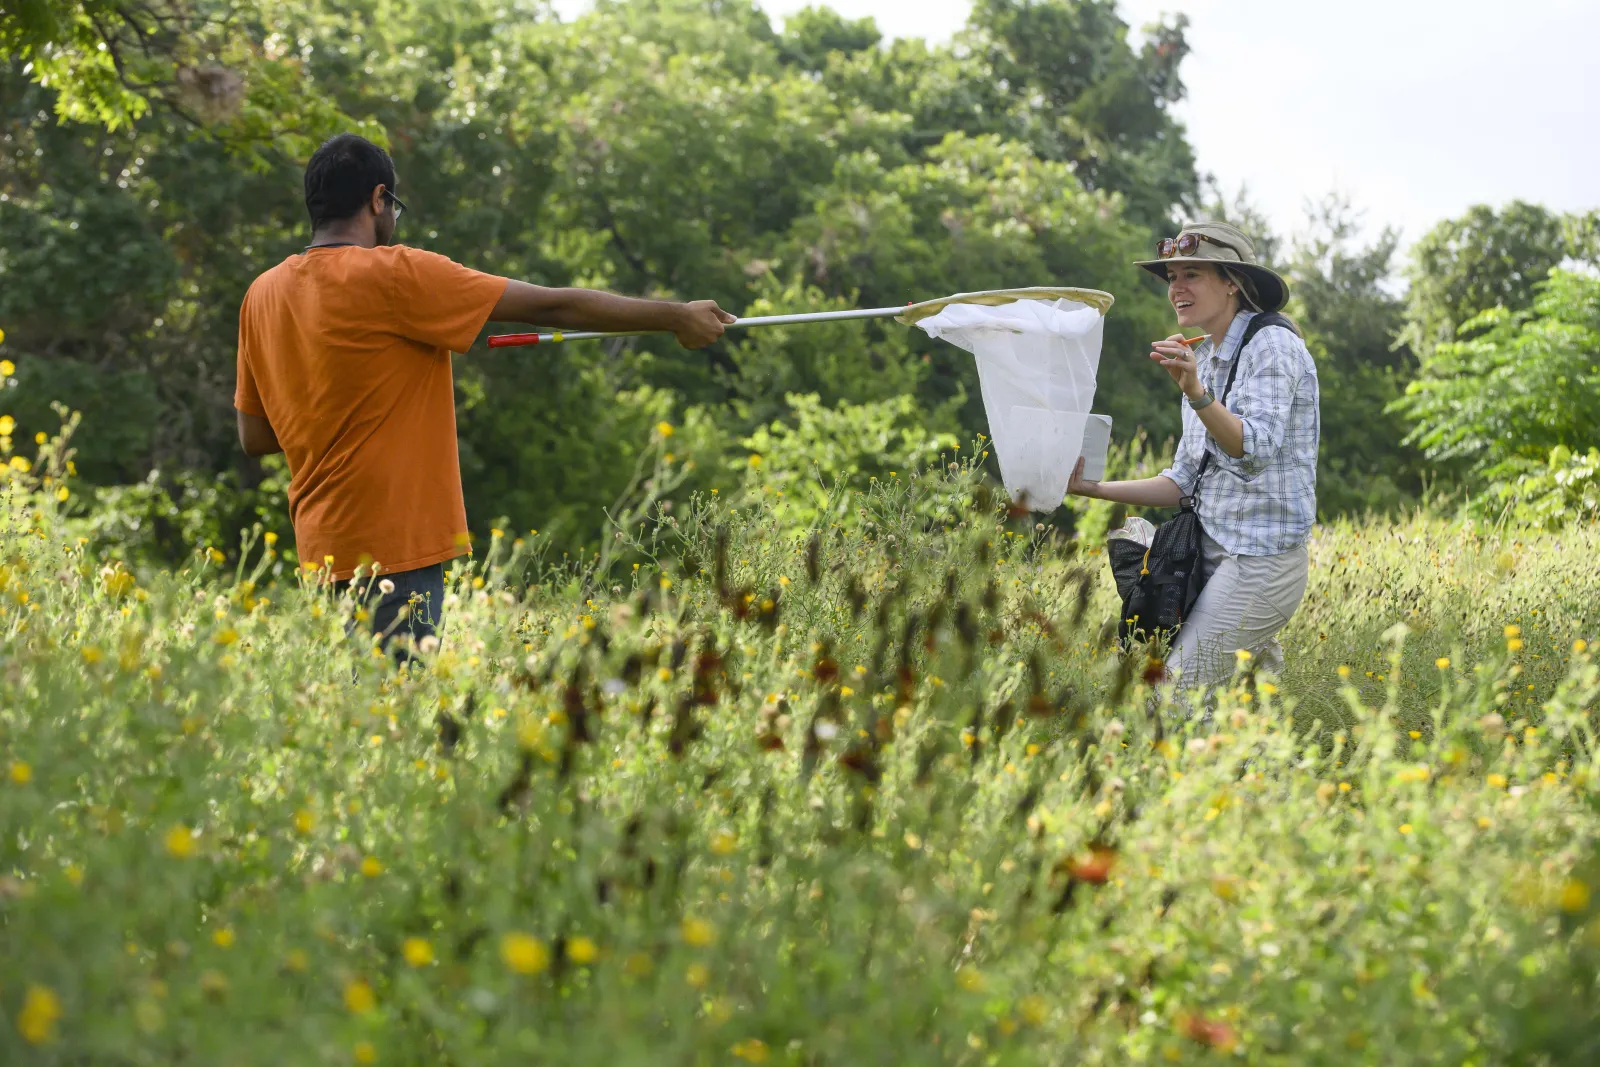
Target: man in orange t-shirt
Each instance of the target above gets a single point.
(344, 366)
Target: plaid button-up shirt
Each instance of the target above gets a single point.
(1264, 502)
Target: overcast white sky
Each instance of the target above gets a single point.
(1415, 109)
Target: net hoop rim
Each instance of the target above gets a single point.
(1098, 299)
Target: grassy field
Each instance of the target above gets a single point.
(885, 794)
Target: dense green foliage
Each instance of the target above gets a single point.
(1483, 260)
(884, 796)
(1521, 394)
(676, 148)
(684, 148)
(1351, 321)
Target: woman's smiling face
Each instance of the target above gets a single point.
(1198, 294)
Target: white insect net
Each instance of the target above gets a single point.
(1037, 352)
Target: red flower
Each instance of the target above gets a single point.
(1213, 1033)
(1095, 867)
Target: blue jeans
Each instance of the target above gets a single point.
(422, 590)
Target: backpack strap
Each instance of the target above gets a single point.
(1261, 322)
(1257, 324)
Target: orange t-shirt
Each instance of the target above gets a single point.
(346, 352)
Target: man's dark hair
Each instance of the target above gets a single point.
(342, 175)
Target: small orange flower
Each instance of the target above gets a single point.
(1093, 868)
(1214, 1033)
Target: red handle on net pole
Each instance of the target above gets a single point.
(512, 340)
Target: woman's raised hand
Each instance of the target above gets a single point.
(1174, 355)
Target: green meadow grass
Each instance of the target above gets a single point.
(876, 792)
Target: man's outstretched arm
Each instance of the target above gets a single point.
(695, 324)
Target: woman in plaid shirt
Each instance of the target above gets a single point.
(1250, 463)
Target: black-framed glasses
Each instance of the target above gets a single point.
(399, 205)
(1187, 244)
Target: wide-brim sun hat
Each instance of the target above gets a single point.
(1221, 244)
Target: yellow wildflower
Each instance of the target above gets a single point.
(40, 1010)
(697, 933)
(582, 950)
(1496, 781)
(664, 429)
(359, 997)
(723, 842)
(753, 1050)
(21, 772)
(1513, 630)
(697, 975)
(180, 842)
(223, 937)
(524, 953)
(1574, 896)
(970, 978)
(371, 867)
(365, 1053)
(417, 951)
(1443, 663)
(305, 820)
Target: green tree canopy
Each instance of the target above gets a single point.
(1482, 260)
(1351, 317)
(1523, 384)
(679, 148)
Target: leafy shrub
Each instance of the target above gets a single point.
(1522, 384)
(818, 463)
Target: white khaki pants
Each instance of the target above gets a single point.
(1245, 602)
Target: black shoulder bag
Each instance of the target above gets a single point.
(1160, 584)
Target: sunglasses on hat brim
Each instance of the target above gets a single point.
(1187, 244)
